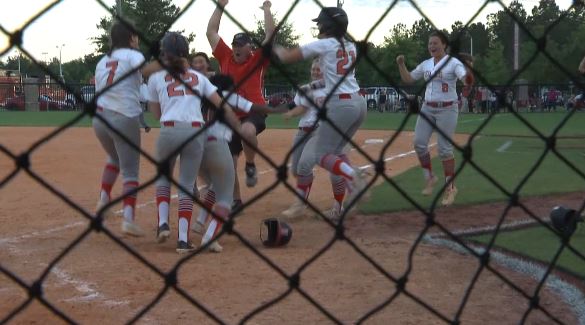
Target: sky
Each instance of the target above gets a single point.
(66, 30)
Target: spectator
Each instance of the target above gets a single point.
(551, 99)
(382, 101)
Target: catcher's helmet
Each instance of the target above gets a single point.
(332, 21)
(279, 233)
(174, 44)
(564, 220)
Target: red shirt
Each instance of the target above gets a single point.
(255, 65)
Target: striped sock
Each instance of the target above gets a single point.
(185, 212)
(337, 166)
(449, 170)
(109, 175)
(163, 199)
(129, 200)
(425, 164)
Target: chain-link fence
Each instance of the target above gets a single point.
(492, 98)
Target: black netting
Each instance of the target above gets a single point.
(504, 98)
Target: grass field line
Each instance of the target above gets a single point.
(504, 146)
(571, 295)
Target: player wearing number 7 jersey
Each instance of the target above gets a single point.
(346, 108)
(118, 105)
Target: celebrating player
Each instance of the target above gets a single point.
(308, 123)
(346, 108)
(178, 108)
(440, 72)
(119, 106)
(200, 62)
(247, 67)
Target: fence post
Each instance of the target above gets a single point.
(31, 94)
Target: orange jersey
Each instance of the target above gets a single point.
(251, 88)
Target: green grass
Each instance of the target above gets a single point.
(507, 168)
(542, 245)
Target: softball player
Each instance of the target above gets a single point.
(119, 106)
(179, 109)
(440, 72)
(346, 108)
(217, 167)
(307, 125)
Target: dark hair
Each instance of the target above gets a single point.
(442, 36)
(174, 47)
(222, 82)
(203, 55)
(120, 35)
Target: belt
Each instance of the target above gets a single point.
(171, 124)
(211, 138)
(440, 104)
(307, 129)
(344, 96)
(99, 109)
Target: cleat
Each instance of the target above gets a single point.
(334, 214)
(428, 190)
(449, 196)
(108, 213)
(198, 227)
(358, 184)
(132, 229)
(184, 247)
(163, 232)
(215, 247)
(296, 210)
(251, 175)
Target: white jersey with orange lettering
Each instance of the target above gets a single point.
(170, 93)
(335, 62)
(124, 96)
(442, 87)
(222, 131)
(317, 97)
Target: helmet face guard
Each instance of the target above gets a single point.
(278, 233)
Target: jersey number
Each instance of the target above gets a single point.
(189, 78)
(112, 65)
(343, 63)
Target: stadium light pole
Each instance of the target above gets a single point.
(339, 3)
(60, 47)
(470, 42)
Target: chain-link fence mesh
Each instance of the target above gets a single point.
(36, 289)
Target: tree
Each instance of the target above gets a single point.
(285, 36)
(501, 28)
(151, 18)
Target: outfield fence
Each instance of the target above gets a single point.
(86, 106)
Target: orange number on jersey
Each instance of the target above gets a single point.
(113, 65)
(342, 63)
(188, 78)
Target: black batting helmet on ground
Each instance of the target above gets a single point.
(564, 220)
(278, 233)
(174, 44)
(332, 21)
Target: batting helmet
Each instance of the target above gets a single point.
(279, 233)
(174, 44)
(564, 220)
(332, 21)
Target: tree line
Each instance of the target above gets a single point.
(550, 40)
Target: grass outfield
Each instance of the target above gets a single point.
(500, 124)
(507, 167)
(542, 245)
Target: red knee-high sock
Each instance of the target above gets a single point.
(208, 202)
(425, 164)
(109, 175)
(304, 184)
(163, 199)
(449, 169)
(185, 212)
(129, 199)
(221, 214)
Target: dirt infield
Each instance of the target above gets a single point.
(98, 281)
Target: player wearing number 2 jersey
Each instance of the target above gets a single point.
(346, 108)
(174, 97)
(118, 108)
(440, 72)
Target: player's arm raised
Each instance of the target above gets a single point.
(213, 24)
(268, 22)
(286, 55)
(404, 73)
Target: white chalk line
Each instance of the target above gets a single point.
(504, 146)
(570, 294)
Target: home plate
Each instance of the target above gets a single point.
(372, 141)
